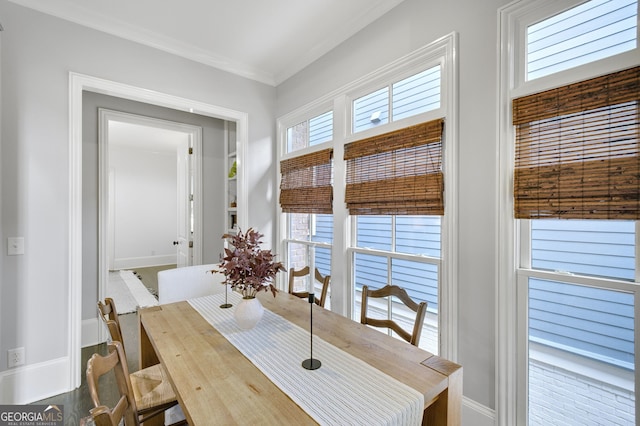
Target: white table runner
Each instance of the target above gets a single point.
(344, 390)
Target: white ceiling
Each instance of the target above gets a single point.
(264, 40)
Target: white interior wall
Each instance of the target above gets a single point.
(38, 53)
(145, 216)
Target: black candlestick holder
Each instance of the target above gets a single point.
(226, 304)
(311, 364)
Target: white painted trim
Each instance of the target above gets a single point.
(340, 258)
(77, 84)
(118, 28)
(475, 414)
(506, 332)
(242, 143)
(158, 41)
(105, 193)
(198, 212)
(448, 320)
(34, 382)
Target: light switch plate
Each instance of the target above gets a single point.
(15, 246)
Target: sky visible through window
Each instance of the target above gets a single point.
(591, 31)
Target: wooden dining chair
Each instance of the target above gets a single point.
(126, 407)
(393, 290)
(325, 280)
(108, 312)
(151, 388)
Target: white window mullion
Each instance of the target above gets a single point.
(340, 258)
(524, 239)
(522, 345)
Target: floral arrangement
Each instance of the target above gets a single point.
(248, 268)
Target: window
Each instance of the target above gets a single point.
(312, 132)
(309, 243)
(306, 197)
(399, 242)
(600, 248)
(394, 188)
(593, 30)
(411, 96)
(578, 160)
(572, 276)
(416, 94)
(403, 250)
(371, 110)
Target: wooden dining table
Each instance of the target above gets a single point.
(216, 384)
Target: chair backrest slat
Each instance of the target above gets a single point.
(393, 290)
(325, 280)
(109, 314)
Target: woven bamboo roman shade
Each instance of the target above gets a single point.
(577, 153)
(398, 173)
(306, 183)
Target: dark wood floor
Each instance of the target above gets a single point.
(77, 403)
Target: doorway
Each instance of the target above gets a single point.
(81, 83)
(150, 194)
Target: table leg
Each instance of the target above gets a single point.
(147, 357)
(447, 410)
(146, 353)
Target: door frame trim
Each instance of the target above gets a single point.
(77, 84)
(105, 116)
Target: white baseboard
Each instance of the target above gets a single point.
(474, 414)
(92, 332)
(24, 385)
(142, 262)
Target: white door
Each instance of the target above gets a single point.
(183, 241)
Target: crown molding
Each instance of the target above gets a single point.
(152, 39)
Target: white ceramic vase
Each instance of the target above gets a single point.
(248, 313)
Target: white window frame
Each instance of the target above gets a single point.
(443, 52)
(511, 330)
